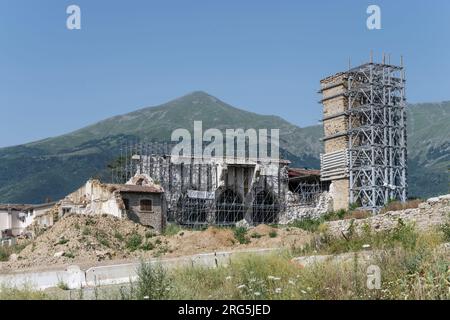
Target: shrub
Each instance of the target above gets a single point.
(62, 285)
(240, 234)
(273, 234)
(69, 255)
(63, 241)
(152, 282)
(102, 238)
(149, 234)
(445, 228)
(86, 231)
(134, 241)
(118, 235)
(255, 235)
(147, 246)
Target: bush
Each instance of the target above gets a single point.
(149, 234)
(86, 231)
(152, 283)
(69, 255)
(62, 285)
(240, 234)
(148, 246)
(63, 241)
(273, 234)
(134, 241)
(172, 229)
(255, 235)
(102, 238)
(445, 228)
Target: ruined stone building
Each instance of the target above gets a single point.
(140, 200)
(226, 191)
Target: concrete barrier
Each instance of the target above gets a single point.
(75, 278)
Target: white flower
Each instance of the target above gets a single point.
(273, 278)
(292, 282)
(366, 246)
(146, 297)
(257, 293)
(303, 291)
(241, 286)
(278, 290)
(228, 278)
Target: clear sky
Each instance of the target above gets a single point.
(259, 55)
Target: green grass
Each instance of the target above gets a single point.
(7, 251)
(403, 235)
(118, 235)
(172, 229)
(22, 293)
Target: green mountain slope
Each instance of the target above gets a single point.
(53, 167)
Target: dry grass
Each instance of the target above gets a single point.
(397, 205)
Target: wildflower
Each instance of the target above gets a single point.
(273, 278)
(303, 291)
(146, 297)
(228, 278)
(241, 286)
(366, 246)
(257, 293)
(278, 290)
(291, 282)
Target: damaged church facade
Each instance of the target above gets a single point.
(228, 191)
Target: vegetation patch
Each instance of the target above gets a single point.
(134, 241)
(240, 233)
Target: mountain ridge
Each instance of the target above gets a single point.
(55, 166)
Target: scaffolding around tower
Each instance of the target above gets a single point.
(365, 135)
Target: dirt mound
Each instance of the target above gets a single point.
(188, 242)
(80, 238)
(263, 229)
(94, 240)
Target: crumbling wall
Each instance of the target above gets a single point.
(340, 193)
(432, 213)
(295, 211)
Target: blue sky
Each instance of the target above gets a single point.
(262, 56)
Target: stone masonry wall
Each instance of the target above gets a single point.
(433, 212)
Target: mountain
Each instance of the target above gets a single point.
(53, 167)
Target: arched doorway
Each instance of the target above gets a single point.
(229, 208)
(265, 208)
